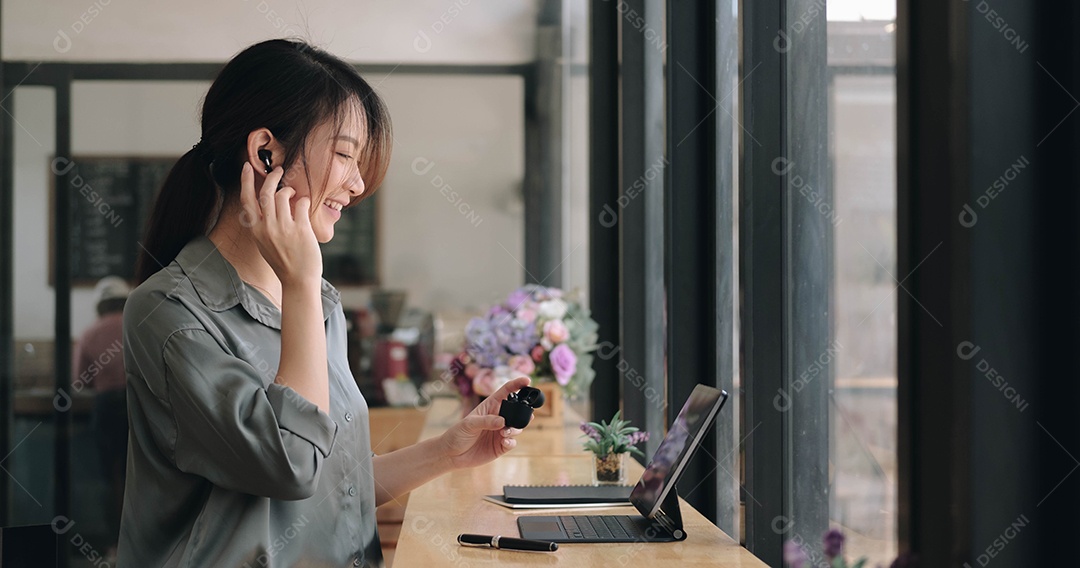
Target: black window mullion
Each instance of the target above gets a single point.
(62, 334)
(690, 231)
(603, 202)
(933, 317)
(761, 278)
(641, 224)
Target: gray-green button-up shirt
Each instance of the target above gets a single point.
(225, 466)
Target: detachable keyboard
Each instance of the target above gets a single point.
(604, 528)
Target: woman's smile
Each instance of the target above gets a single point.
(333, 207)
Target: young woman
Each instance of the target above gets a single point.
(249, 442)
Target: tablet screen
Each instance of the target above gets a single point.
(678, 446)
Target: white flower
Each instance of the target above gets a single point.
(552, 309)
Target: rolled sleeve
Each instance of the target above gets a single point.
(230, 429)
(302, 417)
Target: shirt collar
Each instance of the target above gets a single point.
(220, 287)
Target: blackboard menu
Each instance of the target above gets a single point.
(112, 198)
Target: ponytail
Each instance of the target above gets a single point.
(181, 212)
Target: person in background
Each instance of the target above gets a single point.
(99, 362)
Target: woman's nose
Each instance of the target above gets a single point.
(355, 184)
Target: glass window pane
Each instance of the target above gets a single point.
(862, 143)
(30, 465)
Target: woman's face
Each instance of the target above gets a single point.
(333, 164)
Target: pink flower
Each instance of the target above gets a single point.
(522, 364)
(563, 363)
(556, 332)
(526, 315)
(537, 353)
(484, 383)
(471, 369)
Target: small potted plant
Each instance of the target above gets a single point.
(609, 443)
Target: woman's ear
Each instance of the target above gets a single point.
(263, 139)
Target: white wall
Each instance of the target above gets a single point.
(428, 31)
(463, 135)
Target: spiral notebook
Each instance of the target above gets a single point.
(566, 494)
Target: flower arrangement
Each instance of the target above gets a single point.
(537, 331)
(832, 545)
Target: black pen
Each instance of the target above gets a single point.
(506, 542)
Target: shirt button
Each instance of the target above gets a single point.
(352, 493)
(348, 418)
(356, 562)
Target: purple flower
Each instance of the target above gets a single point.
(518, 297)
(794, 555)
(590, 431)
(637, 438)
(516, 336)
(833, 543)
(482, 344)
(563, 363)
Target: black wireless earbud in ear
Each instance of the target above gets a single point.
(517, 409)
(265, 156)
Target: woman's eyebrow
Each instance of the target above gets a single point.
(354, 141)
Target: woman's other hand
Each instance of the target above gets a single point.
(482, 436)
(282, 229)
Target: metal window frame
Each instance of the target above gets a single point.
(760, 278)
(604, 172)
(785, 275)
(697, 221)
(642, 330)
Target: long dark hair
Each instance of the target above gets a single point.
(287, 86)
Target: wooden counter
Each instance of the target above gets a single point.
(450, 505)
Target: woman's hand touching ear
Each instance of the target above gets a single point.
(282, 229)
